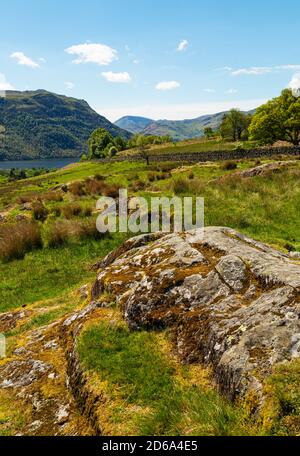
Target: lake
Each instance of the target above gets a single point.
(48, 163)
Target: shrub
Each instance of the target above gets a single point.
(99, 177)
(39, 211)
(112, 191)
(56, 210)
(26, 198)
(60, 232)
(151, 177)
(138, 185)
(88, 229)
(71, 210)
(77, 188)
(63, 231)
(18, 239)
(87, 211)
(181, 185)
(94, 186)
(52, 196)
(191, 175)
(229, 165)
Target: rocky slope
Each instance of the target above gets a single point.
(230, 302)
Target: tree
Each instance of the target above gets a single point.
(208, 132)
(143, 147)
(234, 125)
(120, 143)
(278, 119)
(98, 142)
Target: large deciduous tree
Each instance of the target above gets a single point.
(99, 141)
(278, 119)
(234, 125)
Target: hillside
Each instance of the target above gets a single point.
(42, 124)
(78, 308)
(134, 124)
(177, 129)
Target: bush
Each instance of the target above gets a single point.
(71, 210)
(181, 185)
(52, 196)
(151, 177)
(77, 188)
(39, 211)
(18, 239)
(56, 210)
(94, 186)
(99, 177)
(88, 229)
(63, 231)
(87, 211)
(138, 186)
(26, 198)
(229, 165)
(60, 232)
(112, 191)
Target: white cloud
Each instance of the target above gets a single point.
(295, 85)
(4, 85)
(182, 46)
(167, 85)
(41, 59)
(101, 54)
(231, 91)
(69, 85)
(119, 78)
(22, 59)
(209, 90)
(177, 111)
(256, 71)
(136, 61)
(252, 71)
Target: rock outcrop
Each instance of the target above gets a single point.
(231, 302)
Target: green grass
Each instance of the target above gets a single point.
(194, 146)
(47, 273)
(138, 372)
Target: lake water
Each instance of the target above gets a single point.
(48, 163)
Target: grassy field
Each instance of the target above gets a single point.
(264, 207)
(193, 146)
(48, 275)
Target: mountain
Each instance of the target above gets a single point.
(134, 124)
(178, 129)
(41, 124)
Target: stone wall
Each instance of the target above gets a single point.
(195, 157)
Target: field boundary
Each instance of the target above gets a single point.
(195, 157)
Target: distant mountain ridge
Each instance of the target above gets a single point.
(134, 124)
(42, 124)
(177, 129)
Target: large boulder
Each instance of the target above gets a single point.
(231, 302)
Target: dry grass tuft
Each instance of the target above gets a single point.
(18, 239)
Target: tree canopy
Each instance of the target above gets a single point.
(278, 119)
(235, 125)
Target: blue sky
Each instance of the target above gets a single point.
(162, 59)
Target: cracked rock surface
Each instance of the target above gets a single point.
(231, 302)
